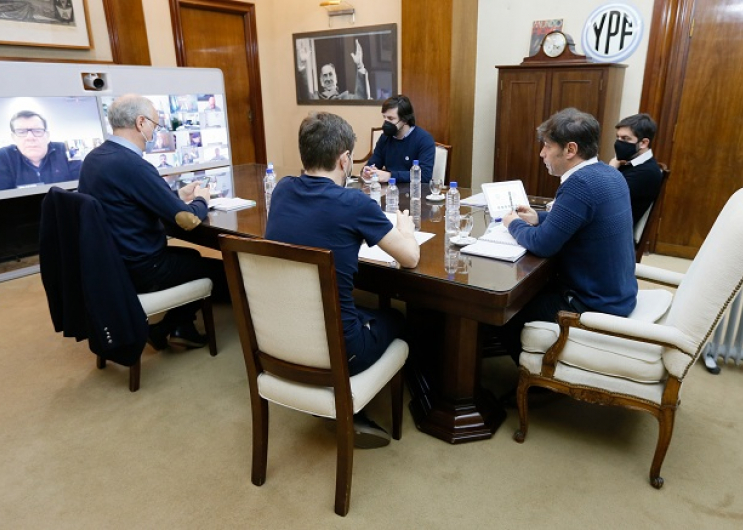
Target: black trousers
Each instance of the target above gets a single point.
(384, 326)
(555, 297)
(173, 267)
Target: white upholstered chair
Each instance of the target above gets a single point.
(647, 226)
(376, 133)
(87, 285)
(159, 302)
(639, 363)
(442, 162)
(286, 305)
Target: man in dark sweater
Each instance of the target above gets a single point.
(33, 159)
(138, 202)
(588, 230)
(634, 159)
(401, 144)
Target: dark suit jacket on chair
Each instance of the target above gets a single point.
(88, 288)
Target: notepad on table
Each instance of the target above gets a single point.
(227, 204)
(496, 243)
(377, 254)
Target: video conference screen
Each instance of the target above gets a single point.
(45, 139)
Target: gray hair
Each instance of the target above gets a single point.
(123, 112)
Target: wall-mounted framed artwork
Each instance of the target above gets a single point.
(352, 66)
(47, 23)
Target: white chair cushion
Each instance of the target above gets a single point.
(161, 301)
(321, 400)
(604, 354)
(650, 391)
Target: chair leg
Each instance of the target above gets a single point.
(523, 405)
(344, 466)
(260, 440)
(134, 371)
(396, 385)
(100, 362)
(665, 431)
(208, 315)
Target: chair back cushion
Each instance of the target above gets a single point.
(286, 306)
(710, 284)
(439, 164)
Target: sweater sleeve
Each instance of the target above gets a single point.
(555, 228)
(153, 193)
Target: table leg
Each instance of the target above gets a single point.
(443, 375)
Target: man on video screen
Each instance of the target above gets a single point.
(33, 159)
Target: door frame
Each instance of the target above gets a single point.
(251, 50)
(665, 68)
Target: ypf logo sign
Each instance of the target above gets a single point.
(612, 33)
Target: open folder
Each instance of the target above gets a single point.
(496, 243)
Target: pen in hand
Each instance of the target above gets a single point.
(510, 200)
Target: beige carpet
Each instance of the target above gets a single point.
(79, 451)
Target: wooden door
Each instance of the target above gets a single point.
(222, 34)
(706, 156)
(521, 100)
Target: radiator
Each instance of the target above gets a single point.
(727, 340)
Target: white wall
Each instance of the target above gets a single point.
(503, 34)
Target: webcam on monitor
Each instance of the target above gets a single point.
(94, 81)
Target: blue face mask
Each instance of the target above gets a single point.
(148, 144)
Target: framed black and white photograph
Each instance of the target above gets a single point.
(352, 66)
(47, 23)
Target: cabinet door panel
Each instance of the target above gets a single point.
(521, 100)
(579, 88)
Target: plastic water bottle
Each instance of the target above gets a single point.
(269, 183)
(375, 190)
(415, 181)
(452, 209)
(392, 199)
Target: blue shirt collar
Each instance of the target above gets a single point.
(125, 143)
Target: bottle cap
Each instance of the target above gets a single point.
(415, 162)
(452, 184)
(392, 180)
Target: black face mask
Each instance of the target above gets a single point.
(625, 150)
(389, 128)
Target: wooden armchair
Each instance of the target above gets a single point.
(639, 364)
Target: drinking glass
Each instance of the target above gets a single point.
(465, 227)
(435, 185)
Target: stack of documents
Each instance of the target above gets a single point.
(377, 254)
(496, 243)
(226, 204)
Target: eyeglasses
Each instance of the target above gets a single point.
(158, 127)
(37, 133)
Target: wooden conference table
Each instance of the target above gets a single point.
(446, 297)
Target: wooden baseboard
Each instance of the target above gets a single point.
(678, 251)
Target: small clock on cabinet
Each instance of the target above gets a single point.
(556, 47)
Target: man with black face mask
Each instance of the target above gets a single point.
(401, 144)
(634, 159)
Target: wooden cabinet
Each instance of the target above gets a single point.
(529, 94)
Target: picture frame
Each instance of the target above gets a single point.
(46, 23)
(350, 66)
